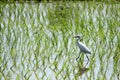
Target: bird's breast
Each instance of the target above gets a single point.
(83, 48)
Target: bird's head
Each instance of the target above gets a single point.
(78, 37)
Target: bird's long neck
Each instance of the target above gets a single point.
(77, 40)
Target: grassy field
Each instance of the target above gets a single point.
(37, 41)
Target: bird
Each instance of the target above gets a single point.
(82, 47)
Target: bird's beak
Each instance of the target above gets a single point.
(76, 36)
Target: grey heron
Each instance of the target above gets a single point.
(83, 48)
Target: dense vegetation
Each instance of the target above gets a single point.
(36, 40)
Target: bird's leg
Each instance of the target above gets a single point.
(87, 61)
(78, 56)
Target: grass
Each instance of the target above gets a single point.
(37, 40)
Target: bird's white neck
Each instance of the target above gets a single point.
(77, 39)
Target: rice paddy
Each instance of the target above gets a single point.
(36, 41)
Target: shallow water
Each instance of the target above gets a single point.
(37, 41)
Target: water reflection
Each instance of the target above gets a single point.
(81, 70)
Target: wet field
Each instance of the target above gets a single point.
(37, 41)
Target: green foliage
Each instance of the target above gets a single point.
(36, 40)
